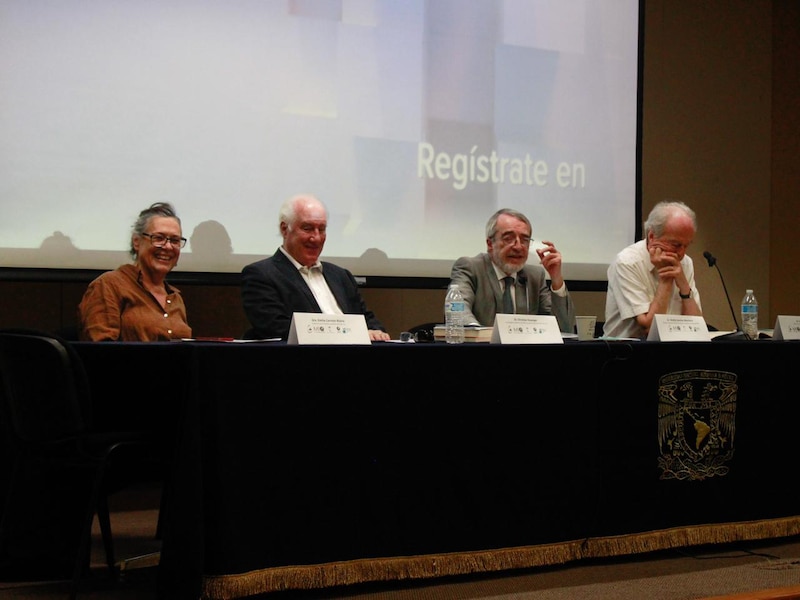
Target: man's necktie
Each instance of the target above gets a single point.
(508, 303)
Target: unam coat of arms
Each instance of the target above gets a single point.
(696, 423)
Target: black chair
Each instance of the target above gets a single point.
(57, 463)
(598, 328)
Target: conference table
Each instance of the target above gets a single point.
(301, 466)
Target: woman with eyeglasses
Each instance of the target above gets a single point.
(134, 303)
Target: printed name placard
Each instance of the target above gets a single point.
(787, 327)
(526, 329)
(316, 328)
(678, 328)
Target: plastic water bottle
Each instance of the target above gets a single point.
(454, 316)
(750, 315)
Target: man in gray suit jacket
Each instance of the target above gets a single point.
(482, 279)
(294, 280)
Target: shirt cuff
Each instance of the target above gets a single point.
(562, 291)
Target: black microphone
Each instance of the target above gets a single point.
(712, 262)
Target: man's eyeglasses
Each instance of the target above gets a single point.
(509, 238)
(676, 246)
(159, 240)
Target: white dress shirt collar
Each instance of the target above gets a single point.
(298, 266)
(318, 286)
(500, 274)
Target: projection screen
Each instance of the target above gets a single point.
(413, 120)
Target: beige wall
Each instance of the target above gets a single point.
(784, 251)
(706, 137)
(720, 131)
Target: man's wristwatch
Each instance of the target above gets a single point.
(685, 296)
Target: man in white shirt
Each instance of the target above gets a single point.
(654, 275)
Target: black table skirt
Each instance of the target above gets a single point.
(290, 456)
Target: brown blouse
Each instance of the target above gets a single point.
(117, 307)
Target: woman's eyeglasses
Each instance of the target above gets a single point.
(159, 240)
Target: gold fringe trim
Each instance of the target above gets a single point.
(678, 537)
(227, 587)
(305, 577)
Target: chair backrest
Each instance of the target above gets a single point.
(598, 328)
(44, 390)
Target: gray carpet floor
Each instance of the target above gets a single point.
(688, 574)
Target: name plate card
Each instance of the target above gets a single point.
(316, 328)
(787, 327)
(678, 328)
(526, 329)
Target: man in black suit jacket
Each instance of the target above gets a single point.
(295, 280)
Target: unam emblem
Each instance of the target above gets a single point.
(696, 423)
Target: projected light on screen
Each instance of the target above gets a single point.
(413, 120)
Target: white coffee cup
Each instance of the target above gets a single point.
(585, 327)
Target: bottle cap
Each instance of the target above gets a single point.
(749, 291)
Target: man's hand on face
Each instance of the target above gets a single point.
(661, 255)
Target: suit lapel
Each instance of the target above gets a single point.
(519, 297)
(494, 283)
(286, 267)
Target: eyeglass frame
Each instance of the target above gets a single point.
(523, 239)
(180, 243)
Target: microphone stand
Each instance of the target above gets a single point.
(738, 334)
